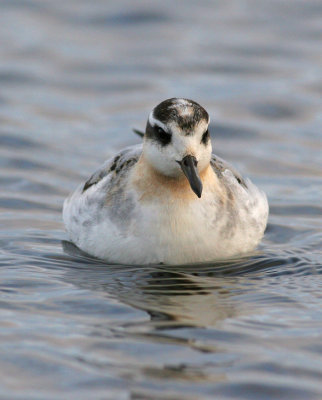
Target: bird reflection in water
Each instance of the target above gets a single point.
(192, 296)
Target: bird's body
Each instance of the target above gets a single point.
(137, 210)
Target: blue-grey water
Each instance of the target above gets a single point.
(75, 77)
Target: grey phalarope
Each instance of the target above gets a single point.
(168, 200)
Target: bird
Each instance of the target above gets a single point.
(168, 200)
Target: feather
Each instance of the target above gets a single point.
(139, 133)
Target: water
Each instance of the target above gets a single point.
(75, 77)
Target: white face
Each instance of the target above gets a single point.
(165, 158)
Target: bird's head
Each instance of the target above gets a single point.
(177, 141)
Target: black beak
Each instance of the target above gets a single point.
(189, 168)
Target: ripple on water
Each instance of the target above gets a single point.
(227, 131)
(10, 140)
(276, 110)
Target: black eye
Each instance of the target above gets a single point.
(162, 136)
(205, 137)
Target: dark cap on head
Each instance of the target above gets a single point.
(186, 113)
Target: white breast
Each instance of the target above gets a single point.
(172, 231)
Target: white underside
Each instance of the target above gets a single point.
(169, 232)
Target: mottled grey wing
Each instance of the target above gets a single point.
(219, 166)
(117, 165)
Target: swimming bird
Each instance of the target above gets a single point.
(168, 200)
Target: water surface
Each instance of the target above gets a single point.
(75, 77)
